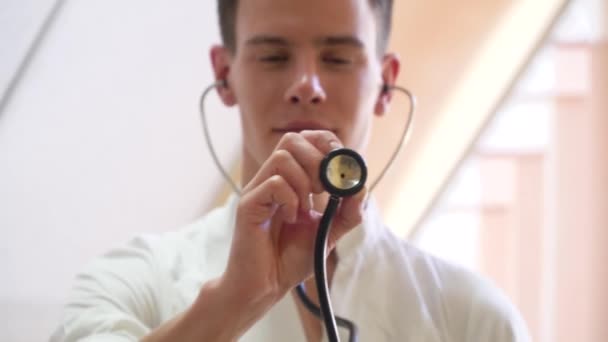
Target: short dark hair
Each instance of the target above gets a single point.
(227, 17)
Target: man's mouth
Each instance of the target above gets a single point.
(299, 126)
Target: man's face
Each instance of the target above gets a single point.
(304, 64)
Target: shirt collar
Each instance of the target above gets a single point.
(362, 236)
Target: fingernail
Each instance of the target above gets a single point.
(305, 203)
(334, 145)
(310, 203)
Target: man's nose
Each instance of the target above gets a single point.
(306, 89)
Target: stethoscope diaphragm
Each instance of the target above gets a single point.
(343, 172)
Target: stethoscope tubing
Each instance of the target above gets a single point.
(325, 311)
(237, 190)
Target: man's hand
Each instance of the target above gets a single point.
(273, 244)
(275, 228)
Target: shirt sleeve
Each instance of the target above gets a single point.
(494, 318)
(115, 298)
(478, 311)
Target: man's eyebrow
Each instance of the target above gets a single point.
(266, 39)
(341, 40)
(328, 40)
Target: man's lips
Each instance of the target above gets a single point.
(300, 126)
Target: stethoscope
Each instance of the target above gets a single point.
(343, 173)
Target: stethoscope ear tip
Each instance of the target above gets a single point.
(223, 83)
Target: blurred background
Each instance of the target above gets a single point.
(506, 172)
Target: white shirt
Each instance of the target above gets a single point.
(390, 289)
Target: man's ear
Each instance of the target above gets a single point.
(220, 59)
(390, 71)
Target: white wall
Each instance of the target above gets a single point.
(19, 22)
(102, 140)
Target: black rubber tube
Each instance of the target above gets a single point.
(353, 333)
(321, 269)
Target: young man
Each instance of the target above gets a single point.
(307, 76)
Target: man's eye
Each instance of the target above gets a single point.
(337, 60)
(274, 59)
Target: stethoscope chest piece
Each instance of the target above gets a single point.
(343, 172)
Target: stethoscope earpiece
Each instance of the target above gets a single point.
(386, 88)
(223, 83)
